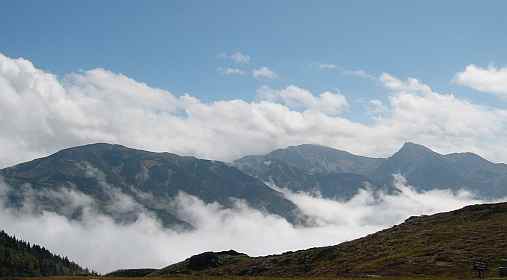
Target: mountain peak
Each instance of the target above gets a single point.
(411, 150)
(309, 149)
(95, 147)
(414, 146)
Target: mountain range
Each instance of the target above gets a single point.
(120, 180)
(112, 174)
(339, 174)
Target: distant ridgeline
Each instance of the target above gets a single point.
(19, 258)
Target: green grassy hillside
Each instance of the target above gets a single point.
(443, 245)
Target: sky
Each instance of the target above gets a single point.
(175, 44)
(330, 58)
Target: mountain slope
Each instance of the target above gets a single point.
(314, 159)
(312, 168)
(426, 170)
(115, 174)
(444, 244)
(18, 258)
(309, 167)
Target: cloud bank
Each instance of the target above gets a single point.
(41, 113)
(491, 79)
(96, 241)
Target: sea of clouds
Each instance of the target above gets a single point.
(98, 242)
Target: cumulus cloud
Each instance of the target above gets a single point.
(301, 99)
(264, 73)
(97, 241)
(491, 79)
(411, 85)
(41, 113)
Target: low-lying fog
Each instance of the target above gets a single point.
(101, 244)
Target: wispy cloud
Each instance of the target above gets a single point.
(264, 73)
(229, 71)
(327, 66)
(236, 57)
(359, 73)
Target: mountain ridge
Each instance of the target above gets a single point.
(103, 171)
(150, 179)
(423, 168)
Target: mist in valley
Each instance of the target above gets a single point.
(97, 241)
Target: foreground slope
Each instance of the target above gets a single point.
(18, 258)
(444, 244)
(112, 173)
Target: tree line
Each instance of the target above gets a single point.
(20, 258)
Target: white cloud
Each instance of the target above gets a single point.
(264, 73)
(236, 57)
(300, 99)
(40, 114)
(491, 80)
(411, 85)
(217, 228)
(359, 73)
(231, 71)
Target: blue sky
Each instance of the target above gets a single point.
(174, 44)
